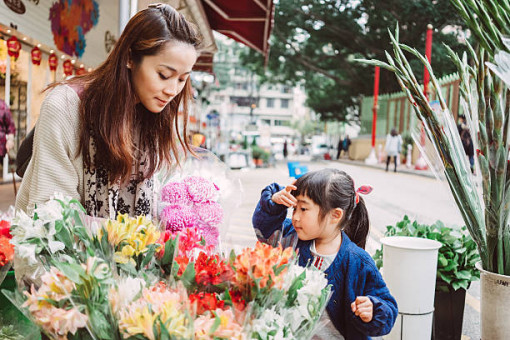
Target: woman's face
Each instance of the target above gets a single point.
(157, 79)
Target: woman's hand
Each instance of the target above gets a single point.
(363, 307)
(284, 196)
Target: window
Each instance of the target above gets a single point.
(284, 103)
(269, 102)
(266, 121)
(278, 122)
(285, 89)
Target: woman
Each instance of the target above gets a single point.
(393, 147)
(101, 137)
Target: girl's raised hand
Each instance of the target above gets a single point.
(284, 196)
(363, 307)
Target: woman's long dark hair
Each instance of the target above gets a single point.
(109, 114)
(333, 188)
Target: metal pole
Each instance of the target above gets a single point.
(374, 108)
(372, 159)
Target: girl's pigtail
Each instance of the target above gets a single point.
(358, 224)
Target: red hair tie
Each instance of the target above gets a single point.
(364, 190)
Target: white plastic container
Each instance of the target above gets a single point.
(410, 266)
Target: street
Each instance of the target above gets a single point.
(394, 195)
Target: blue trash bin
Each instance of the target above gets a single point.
(296, 170)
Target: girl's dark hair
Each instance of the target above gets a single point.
(109, 114)
(394, 132)
(333, 188)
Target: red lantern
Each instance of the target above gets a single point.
(53, 62)
(13, 47)
(81, 71)
(36, 56)
(68, 68)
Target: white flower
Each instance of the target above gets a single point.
(267, 322)
(125, 292)
(49, 211)
(26, 252)
(55, 246)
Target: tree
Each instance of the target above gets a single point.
(315, 43)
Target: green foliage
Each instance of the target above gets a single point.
(315, 42)
(456, 258)
(259, 153)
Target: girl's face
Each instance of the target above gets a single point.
(157, 79)
(305, 219)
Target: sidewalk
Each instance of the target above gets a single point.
(402, 168)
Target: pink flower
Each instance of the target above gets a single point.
(176, 217)
(175, 193)
(201, 189)
(210, 233)
(209, 213)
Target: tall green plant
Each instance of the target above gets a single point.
(486, 103)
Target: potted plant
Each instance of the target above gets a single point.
(484, 89)
(455, 271)
(260, 156)
(406, 140)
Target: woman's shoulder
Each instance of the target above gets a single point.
(61, 100)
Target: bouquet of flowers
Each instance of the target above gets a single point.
(126, 279)
(194, 194)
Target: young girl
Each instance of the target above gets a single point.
(331, 223)
(101, 137)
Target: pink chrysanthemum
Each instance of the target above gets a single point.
(210, 233)
(177, 217)
(175, 193)
(201, 189)
(209, 213)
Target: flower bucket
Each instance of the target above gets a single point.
(495, 304)
(410, 266)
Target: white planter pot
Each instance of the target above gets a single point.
(410, 266)
(495, 305)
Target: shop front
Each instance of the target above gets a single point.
(46, 41)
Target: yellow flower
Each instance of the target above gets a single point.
(139, 317)
(130, 236)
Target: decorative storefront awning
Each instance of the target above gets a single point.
(247, 21)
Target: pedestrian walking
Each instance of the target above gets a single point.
(330, 226)
(101, 137)
(340, 148)
(346, 144)
(393, 148)
(285, 149)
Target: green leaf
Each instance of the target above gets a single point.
(72, 271)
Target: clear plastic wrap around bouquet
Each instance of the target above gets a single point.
(196, 194)
(126, 279)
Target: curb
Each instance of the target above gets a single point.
(402, 169)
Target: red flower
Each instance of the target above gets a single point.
(6, 251)
(237, 300)
(206, 301)
(211, 270)
(182, 261)
(5, 226)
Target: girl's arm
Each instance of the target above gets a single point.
(268, 216)
(385, 310)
